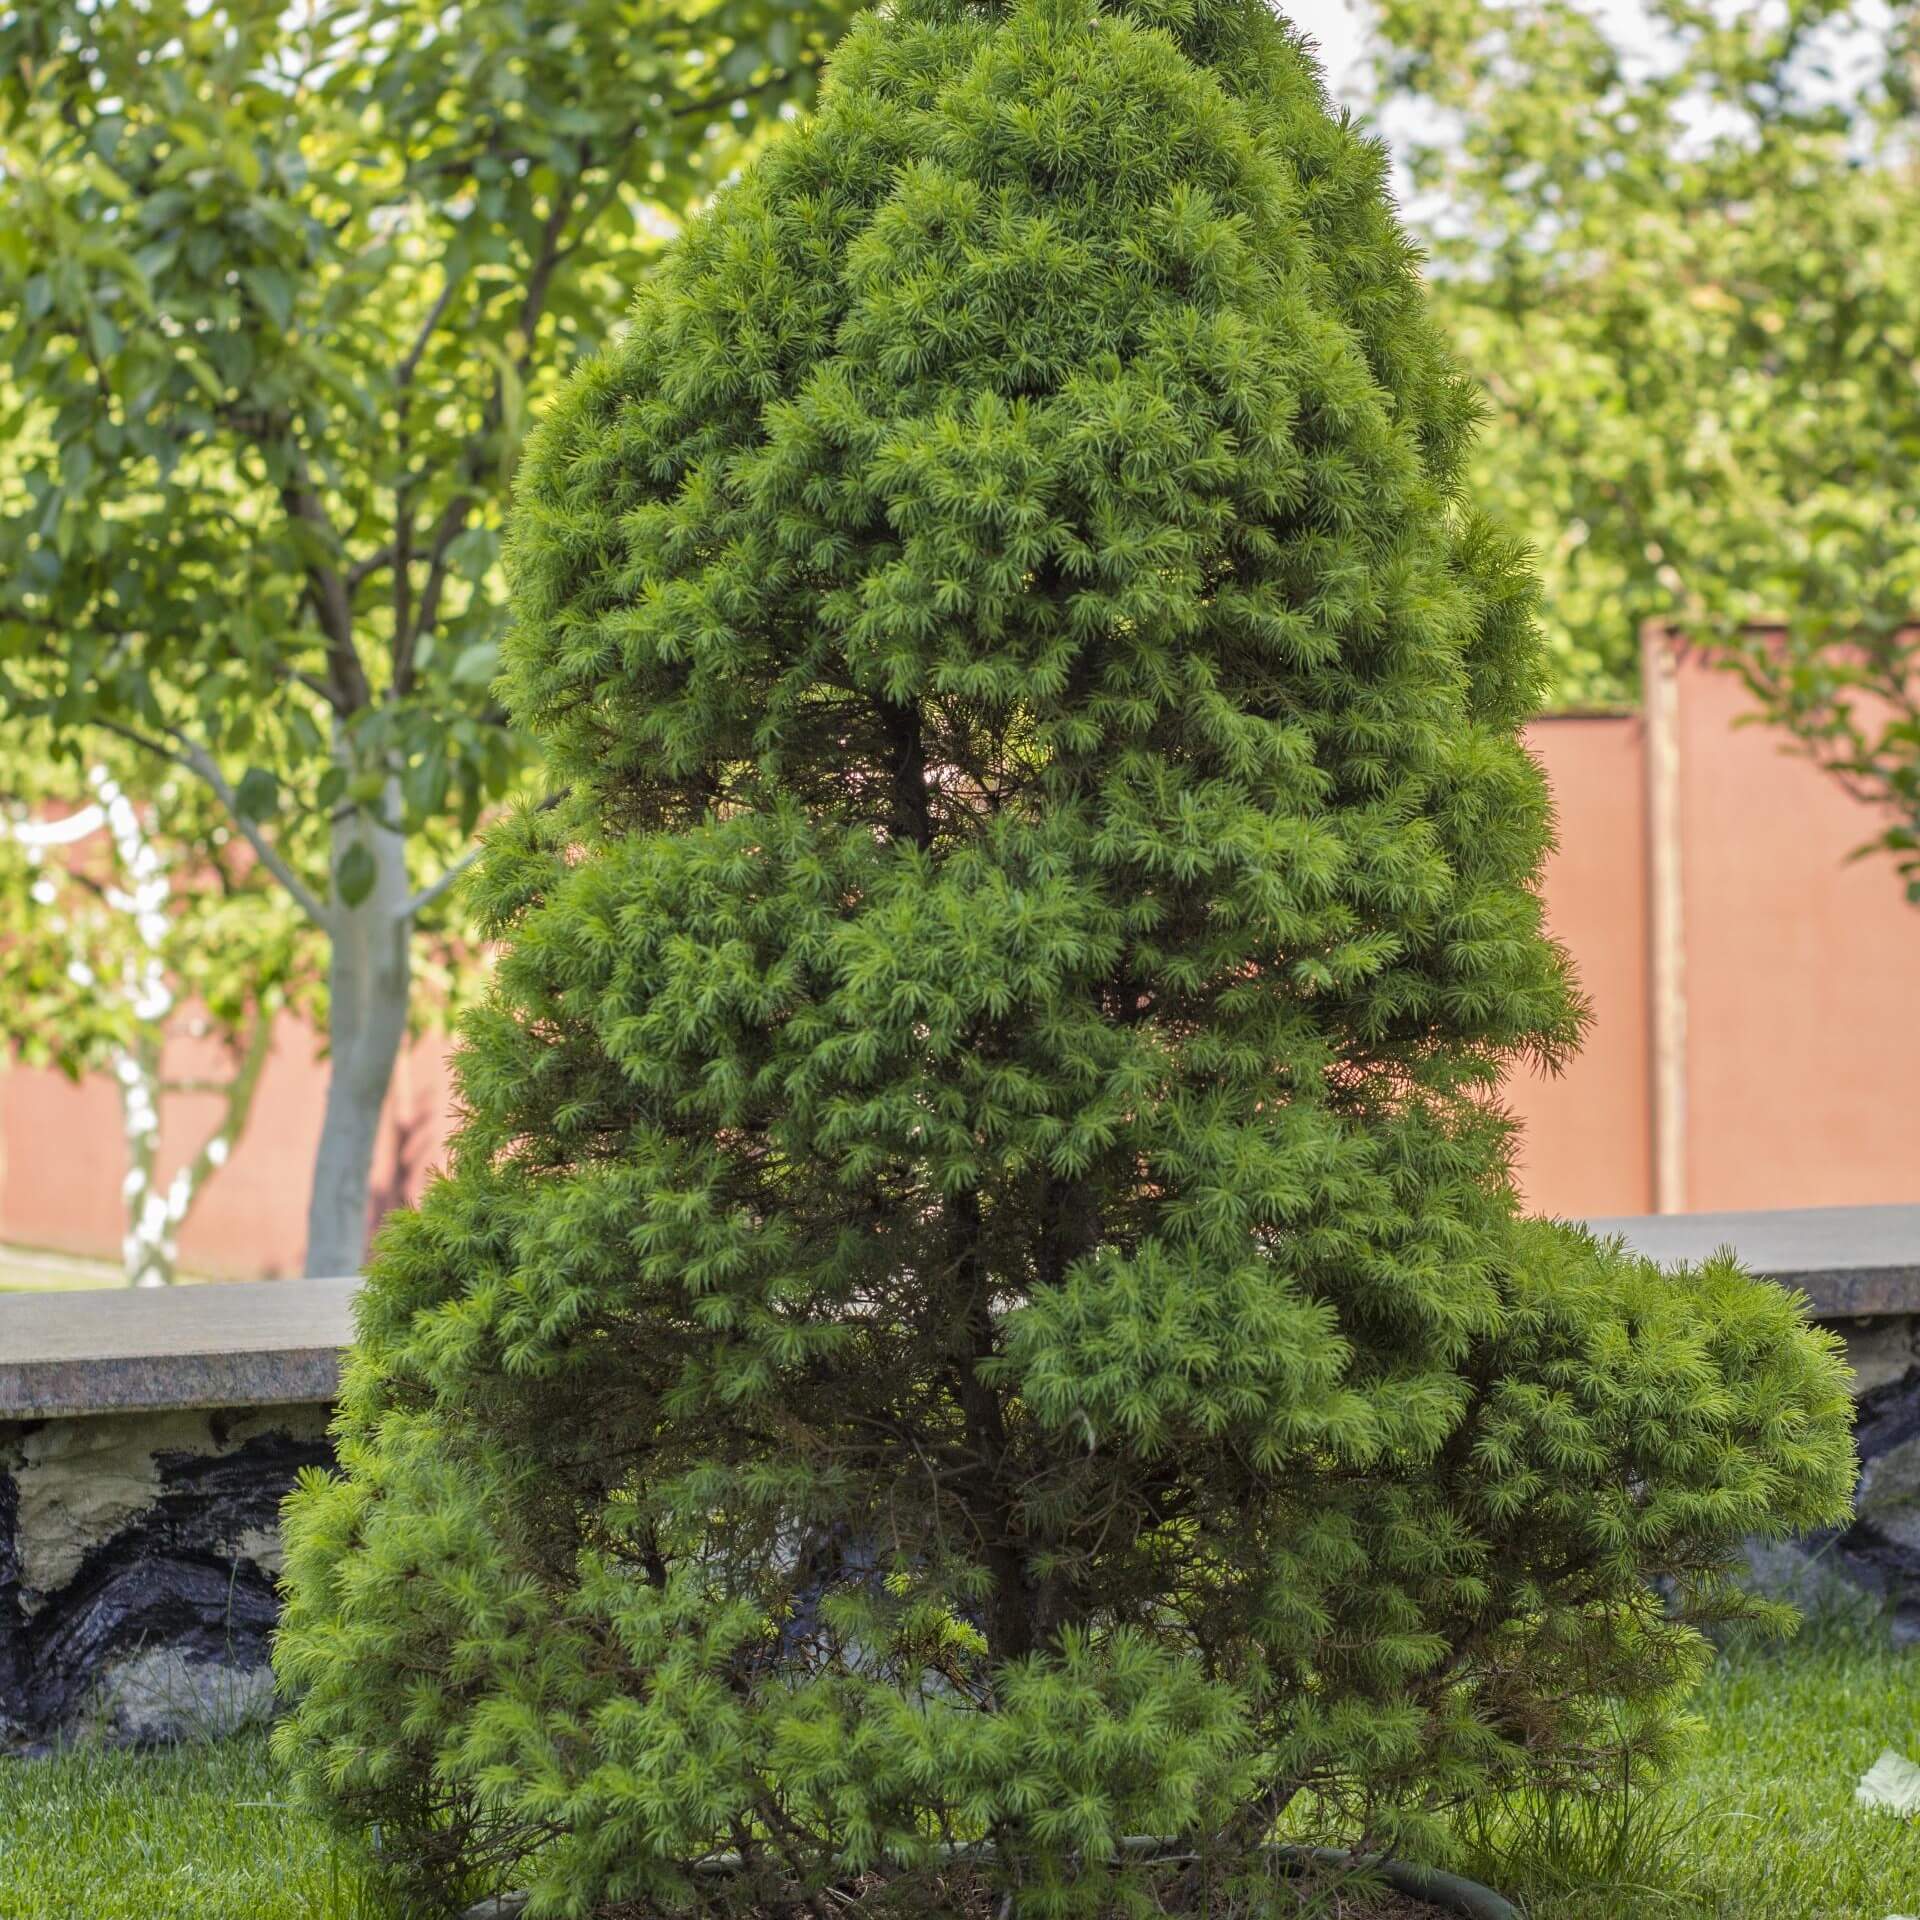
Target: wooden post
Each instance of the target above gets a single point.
(1660, 685)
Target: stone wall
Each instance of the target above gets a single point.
(138, 1554)
(1880, 1552)
(139, 1551)
(147, 1441)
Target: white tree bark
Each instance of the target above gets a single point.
(150, 1247)
(369, 974)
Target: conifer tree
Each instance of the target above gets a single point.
(978, 1308)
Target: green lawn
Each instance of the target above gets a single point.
(190, 1833)
(1762, 1827)
(35, 1270)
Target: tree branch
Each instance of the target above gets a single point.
(714, 102)
(145, 742)
(452, 521)
(312, 685)
(438, 889)
(219, 1144)
(191, 755)
(363, 570)
(539, 281)
(408, 367)
(600, 202)
(446, 529)
(309, 903)
(332, 600)
(330, 591)
(406, 628)
(453, 516)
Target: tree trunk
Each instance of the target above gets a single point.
(147, 1250)
(369, 976)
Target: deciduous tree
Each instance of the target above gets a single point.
(1689, 272)
(144, 943)
(279, 288)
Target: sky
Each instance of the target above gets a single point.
(1341, 27)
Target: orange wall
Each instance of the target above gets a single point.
(1801, 985)
(62, 1158)
(1587, 1146)
(1801, 975)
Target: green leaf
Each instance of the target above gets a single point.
(476, 665)
(354, 877)
(424, 786)
(274, 291)
(473, 554)
(315, 546)
(258, 795)
(202, 375)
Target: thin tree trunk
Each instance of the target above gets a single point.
(150, 1249)
(147, 1247)
(369, 977)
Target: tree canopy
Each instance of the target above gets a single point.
(143, 942)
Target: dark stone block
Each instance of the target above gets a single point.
(163, 1607)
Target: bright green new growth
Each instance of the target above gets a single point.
(979, 1296)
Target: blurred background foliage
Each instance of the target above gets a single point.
(282, 286)
(1680, 245)
(1686, 265)
(280, 289)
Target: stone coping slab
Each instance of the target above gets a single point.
(1850, 1262)
(260, 1343)
(268, 1343)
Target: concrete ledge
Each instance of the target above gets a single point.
(268, 1343)
(1850, 1262)
(276, 1343)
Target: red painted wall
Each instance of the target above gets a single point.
(1587, 1144)
(1802, 980)
(1803, 976)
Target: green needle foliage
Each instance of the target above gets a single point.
(978, 1302)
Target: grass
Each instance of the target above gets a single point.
(199, 1832)
(36, 1270)
(1761, 1826)
(30, 1270)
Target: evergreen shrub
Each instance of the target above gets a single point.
(978, 1302)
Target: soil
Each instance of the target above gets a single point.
(1376, 1905)
(952, 1900)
